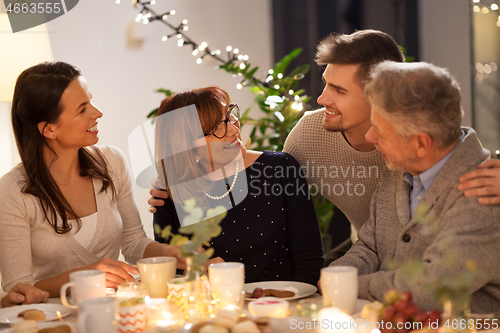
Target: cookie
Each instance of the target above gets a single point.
(214, 329)
(26, 326)
(32, 314)
(57, 329)
(278, 293)
(226, 318)
(247, 326)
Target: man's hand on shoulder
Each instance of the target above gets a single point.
(156, 199)
(483, 183)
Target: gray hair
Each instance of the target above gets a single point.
(419, 98)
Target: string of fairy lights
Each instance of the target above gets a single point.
(202, 50)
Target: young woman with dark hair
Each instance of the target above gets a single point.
(69, 205)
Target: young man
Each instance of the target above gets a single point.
(416, 114)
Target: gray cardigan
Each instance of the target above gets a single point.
(456, 226)
(31, 250)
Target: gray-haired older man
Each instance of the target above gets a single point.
(416, 116)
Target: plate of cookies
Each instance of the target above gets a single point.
(38, 312)
(287, 290)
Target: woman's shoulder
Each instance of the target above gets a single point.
(13, 179)
(113, 155)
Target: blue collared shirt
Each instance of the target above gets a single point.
(420, 184)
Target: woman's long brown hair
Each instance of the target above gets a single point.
(36, 99)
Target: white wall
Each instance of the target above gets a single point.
(122, 77)
(445, 41)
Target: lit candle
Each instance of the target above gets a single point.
(333, 320)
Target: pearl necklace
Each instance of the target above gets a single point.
(230, 187)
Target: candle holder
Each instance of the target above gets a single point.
(164, 316)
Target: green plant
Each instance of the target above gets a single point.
(201, 232)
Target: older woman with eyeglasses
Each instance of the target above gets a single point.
(271, 224)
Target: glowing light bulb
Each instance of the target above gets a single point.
(475, 1)
(229, 48)
(217, 52)
(494, 6)
(203, 46)
(180, 42)
(146, 21)
(245, 57)
(487, 69)
(300, 107)
(184, 21)
(242, 66)
(185, 28)
(236, 51)
(240, 57)
(498, 24)
(164, 38)
(486, 10)
(195, 52)
(172, 12)
(153, 2)
(138, 18)
(199, 61)
(296, 98)
(270, 71)
(269, 78)
(164, 17)
(276, 86)
(179, 36)
(117, 2)
(280, 75)
(294, 105)
(290, 92)
(239, 86)
(477, 9)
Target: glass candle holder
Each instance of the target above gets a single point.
(129, 290)
(163, 316)
(309, 307)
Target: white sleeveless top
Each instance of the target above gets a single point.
(86, 233)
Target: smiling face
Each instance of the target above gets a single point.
(76, 127)
(342, 97)
(220, 152)
(397, 151)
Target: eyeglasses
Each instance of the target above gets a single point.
(232, 116)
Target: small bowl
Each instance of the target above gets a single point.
(268, 307)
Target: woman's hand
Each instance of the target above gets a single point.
(117, 272)
(24, 293)
(483, 183)
(153, 201)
